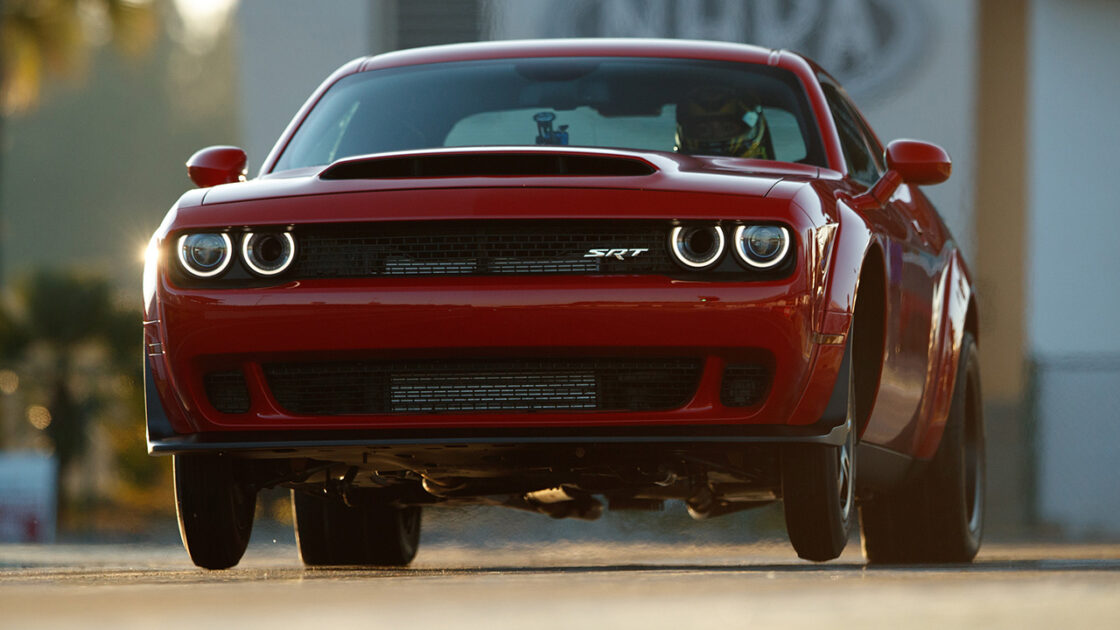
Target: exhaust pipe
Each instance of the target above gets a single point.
(559, 503)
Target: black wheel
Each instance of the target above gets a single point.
(818, 482)
(818, 491)
(331, 533)
(215, 508)
(939, 518)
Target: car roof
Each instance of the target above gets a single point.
(679, 48)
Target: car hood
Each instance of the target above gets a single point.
(518, 167)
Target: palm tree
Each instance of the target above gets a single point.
(41, 38)
(62, 315)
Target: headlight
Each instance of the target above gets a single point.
(761, 246)
(205, 255)
(697, 247)
(268, 253)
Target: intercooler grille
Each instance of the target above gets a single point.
(459, 248)
(502, 385)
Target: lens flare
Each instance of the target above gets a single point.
(9, 381)
(39, 417)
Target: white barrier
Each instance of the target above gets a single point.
(27, 497)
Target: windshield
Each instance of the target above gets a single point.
(673, 105)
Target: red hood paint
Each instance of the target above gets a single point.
(674, 172)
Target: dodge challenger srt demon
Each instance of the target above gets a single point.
(559, 275)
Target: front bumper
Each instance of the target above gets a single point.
(198, 331)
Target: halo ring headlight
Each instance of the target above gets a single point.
(268, 253)
(205, 254)
(697, 247)
(761, 246)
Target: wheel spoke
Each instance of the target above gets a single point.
(844, 474)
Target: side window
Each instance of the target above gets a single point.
(862, 165)
(869, 139)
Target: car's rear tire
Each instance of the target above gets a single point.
(215, 507)
(331, 533)
(818, 492)
(938, 518)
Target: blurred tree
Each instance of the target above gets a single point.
(13, 338)
(60, 315)
(61, 312)
(62, 318)
(41, 38)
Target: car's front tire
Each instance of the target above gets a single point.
(818, 480)
(331, 533)
(938, 518)
(215, 507)
(818, 492)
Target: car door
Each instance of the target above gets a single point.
(911, 274)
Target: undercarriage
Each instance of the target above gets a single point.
(559, 480)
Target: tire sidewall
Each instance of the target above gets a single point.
(965, 433)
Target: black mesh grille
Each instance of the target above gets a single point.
(484, 248)
(744, 385)
(533, 385)
(227, 391)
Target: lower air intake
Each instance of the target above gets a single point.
(744, 385)
(500, 385)
(227, 391)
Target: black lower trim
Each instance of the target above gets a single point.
(882, 470)
(159, 427)
(836, 412)
(288, 441)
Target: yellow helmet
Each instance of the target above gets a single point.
(715, 121)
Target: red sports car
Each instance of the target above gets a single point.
(552, 275)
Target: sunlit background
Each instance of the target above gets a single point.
(101, 102)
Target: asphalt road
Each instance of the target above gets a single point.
(559, 585)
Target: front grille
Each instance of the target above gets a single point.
(498, 385)
(461, 248)
(227, 391)
(744, 385)
(414, 249)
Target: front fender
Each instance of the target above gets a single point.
(836, 248)
(958, 296)
(851, 242)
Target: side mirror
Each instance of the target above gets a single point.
(217, 165)
(920, 163)
(908, 162)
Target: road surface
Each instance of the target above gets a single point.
(559, 585)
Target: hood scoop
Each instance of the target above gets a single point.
(487, 164)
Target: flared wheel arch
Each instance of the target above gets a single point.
(868, 331)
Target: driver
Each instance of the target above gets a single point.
(716, 121)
